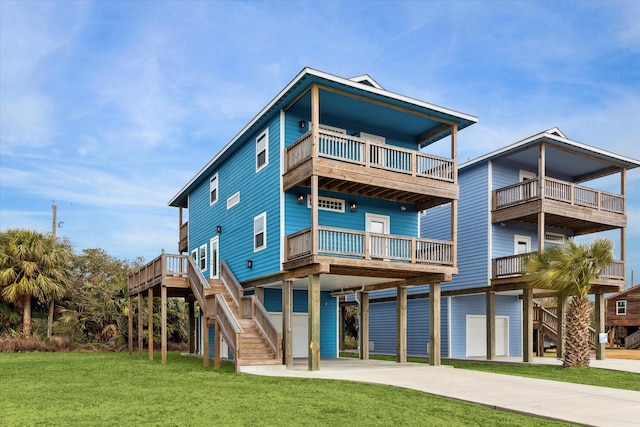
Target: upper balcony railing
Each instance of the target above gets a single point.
(354, 150)
(515, 266)
(372, 246)
(561, 191)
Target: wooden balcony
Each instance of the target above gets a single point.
(385, 255)
(509, 273)
(349, 164)
(566, 205)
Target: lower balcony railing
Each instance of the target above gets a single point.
(360, 244)
(515, 266)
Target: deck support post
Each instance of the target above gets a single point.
(363, 333)
(130, 326)
(217, 347)
(341, 327)
(192, 327)
(314, 321)
(527, 325)
(163, 323)
(434, 324)
(140, 325)
(561, 308)
(491, 324)
(600, 315)
(287, 327)
(150, 323)
(205, 341)
(259, 293)
(401, 325)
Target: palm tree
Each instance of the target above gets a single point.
(31, 265)
(569, 270)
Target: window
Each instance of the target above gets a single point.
(233, 200)
(621, 307)
(194, 255)
(213, 189)
(555, 238)
(260, 232)
(215, 259)
(262, 150)
(203, 257)
(328, 204)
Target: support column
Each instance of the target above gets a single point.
(192, 327)
(490, 298)
(259, 292)
(287, 327)
(140, 325)
(527, 325)
(217, 346)
(130, 330)
(600, 320)
(150, 323)
(434, 324)
(314, 322)
(401, 325)
(561, 309)
(363, 333)
(205, 341)
(341, 331)
(163, 324)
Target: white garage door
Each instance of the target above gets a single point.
(300, 323)
(477, 336)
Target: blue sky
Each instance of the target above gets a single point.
(109, 108)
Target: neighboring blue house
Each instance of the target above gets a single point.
(512, 202)
(316, 197)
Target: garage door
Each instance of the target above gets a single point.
(477, 336)
(300, 323)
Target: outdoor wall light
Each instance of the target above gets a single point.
(403, 208)
(219, 229)
(300, 198)
(249, 263)
(353, 206)
(302, 124)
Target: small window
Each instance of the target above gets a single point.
(262, 150)
(555, 238)
(621, 307)
(203, 257)
(233, 200)
(328, 204)
(194, 255)
(260, 232)
(213, 189)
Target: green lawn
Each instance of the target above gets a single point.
(589, 376)
(103, 389)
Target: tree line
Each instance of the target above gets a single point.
(49, 292)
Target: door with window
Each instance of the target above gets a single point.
(529, 187)
(522, 245)
(214, 272)
(378, 225)
(377, 153)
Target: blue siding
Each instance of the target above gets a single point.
(259, 192)
(506, 305)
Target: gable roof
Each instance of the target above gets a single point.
(363, 86)
(632, 289)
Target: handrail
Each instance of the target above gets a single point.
(550, 321)
(231, 283)
(197, 281)
(229, 326)
(266, 326)
(632, 340)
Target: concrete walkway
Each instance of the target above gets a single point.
(582, 404)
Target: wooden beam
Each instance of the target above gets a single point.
(401, 325)
(150, 323)
(205, 340)
(217, 347)
(313, 305)
(259, 293)
(163, 324)
(363, 333)
(130, 330)
(490, 299)
(527, 326)
(140, 326)
(434, 324)
(192, 327)
(561, 308)
(597, 174)
(287, 326)
(434, 133)
(600, 317)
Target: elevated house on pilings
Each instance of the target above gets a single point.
(515, 201)
(317, 196)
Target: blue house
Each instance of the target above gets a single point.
(538, 192)
(317, 197)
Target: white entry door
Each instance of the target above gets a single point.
(477, 336)
(214, 271)
(378, 245)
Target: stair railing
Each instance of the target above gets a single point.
(231, 283)
(549, 320)
(197, 281)
(632, 340)
(266, 326)
(229, 327)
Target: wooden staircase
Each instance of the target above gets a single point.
(547, 320)
(633, 340)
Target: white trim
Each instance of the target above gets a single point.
(233, 200)
(264, 135)
(213, 178)
(488, 219)
(517, 238)
(524, 175)
(372, 137)
(214, 262)
(202, 255)
(385, 219)
(262, 216)
(449, 338)
(282, 204)
(367, 78)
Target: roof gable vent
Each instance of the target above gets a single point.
(366, 79)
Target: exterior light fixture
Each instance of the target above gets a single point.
(353, 206)
(249, 263)
(300, 198)
(302, 124)
(219, 229)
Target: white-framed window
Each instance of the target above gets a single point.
(194, 255)
(215, 259)
(521, 244)
(621, 307)
(203, 257)
(262, 150)
(233, 200)
(527, 175)
(328, 204)
(260, 232)
(555, 238)
(213, 189)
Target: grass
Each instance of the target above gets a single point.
(104, 389)
(588, 376)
